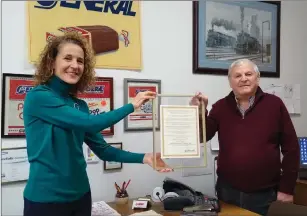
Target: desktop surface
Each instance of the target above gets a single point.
(300, 194)
(226, 209)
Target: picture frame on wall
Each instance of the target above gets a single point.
(112, 165)
(15, 165)
(100, 98)
(226, 31)
(14, 90)
(90, 156)
(141, 119)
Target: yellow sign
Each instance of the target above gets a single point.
(112, 27)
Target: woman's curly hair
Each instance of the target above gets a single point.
(44, 67)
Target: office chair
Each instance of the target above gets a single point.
(278, 208)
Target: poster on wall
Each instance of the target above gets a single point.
(15, 88)
(99, 99)
(112, 28)
(15, 165)
(141, 118)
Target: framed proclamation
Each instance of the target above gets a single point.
(99, 98)
(141, 119)
(179, 131)
(15, 88)
(182, 134)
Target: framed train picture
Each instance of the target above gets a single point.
(224, 31)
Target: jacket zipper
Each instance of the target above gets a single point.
(246, 111)
(242, 114)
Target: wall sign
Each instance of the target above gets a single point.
(141, 119)
(111, 27)
(15, 88)
(99, 98)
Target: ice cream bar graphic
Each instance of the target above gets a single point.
(102, 38)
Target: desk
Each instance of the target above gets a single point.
(300, 196)
(226, 210)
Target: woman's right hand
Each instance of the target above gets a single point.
(142, 97)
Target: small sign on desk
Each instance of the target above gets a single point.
(141, 203)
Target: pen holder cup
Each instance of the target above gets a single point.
(121, 198)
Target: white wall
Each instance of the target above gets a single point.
(167, 55)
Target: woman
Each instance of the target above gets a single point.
(56, 125)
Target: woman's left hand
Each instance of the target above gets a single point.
(161, 166)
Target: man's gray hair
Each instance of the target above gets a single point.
(241, 62)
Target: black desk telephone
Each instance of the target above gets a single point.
(188, 199)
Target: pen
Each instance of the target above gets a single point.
(117, 187)
(123, 186)
(127, 184)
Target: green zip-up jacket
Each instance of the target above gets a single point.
(56, 126)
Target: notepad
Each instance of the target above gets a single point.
(101, 208)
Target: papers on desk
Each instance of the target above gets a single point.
(149, 213)
(208, 213)
(101, 208)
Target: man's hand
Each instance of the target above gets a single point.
(160, 165)
(198, 98)
(284, 197)
(142, 97)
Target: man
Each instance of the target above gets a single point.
(252, 127)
